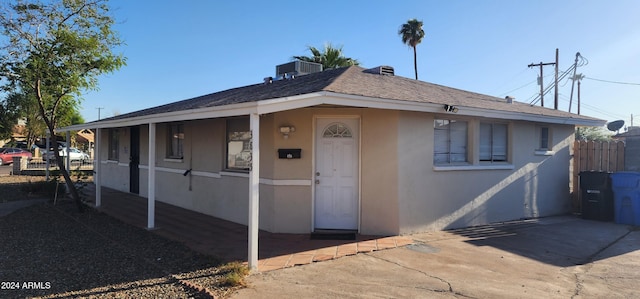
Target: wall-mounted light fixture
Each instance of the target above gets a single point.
(286, 130)
(450, 108)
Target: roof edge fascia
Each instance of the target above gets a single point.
(260, 107)
(219, 111)
(369, 102)
(319, 98)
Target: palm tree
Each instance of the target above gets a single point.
(412, 34)
(329, 57)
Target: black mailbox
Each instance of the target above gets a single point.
(289, 153)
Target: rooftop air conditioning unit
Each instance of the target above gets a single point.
(298, 68)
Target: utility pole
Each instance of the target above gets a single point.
(541, 79)
(573, 79)
(578, 97)
(99, 108)
(555, 97)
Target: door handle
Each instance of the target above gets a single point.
(317, 173)
(317, 182)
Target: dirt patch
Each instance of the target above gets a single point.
(17, 187)
(54, 251)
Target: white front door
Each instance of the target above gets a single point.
(336, 173)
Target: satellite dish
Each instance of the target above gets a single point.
(615, 125)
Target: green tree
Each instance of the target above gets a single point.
(411, 33)
(10, 112)
(329, 57)
(593, 133)
(17, 105)
(52, 51)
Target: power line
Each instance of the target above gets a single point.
(614, 82)
(594, 108)
(551, 86)
(512, 78)
(517, 88)
(541, 78)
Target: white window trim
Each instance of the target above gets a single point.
(174, 160)
(468, 140)
(544, 153)
(226, 163)
(473, 144)
(508, 137)
(493, 166)
(169, 128)
(114, 132)
(240, 174)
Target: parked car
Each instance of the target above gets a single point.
(17, 144)
(7, 154)
(74, 154)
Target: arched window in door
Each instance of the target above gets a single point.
(337, 130)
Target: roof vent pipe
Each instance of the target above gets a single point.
(509, 99)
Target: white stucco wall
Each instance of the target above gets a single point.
(400, 191)
(115, 173)
(430, 199)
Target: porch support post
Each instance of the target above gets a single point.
(151, 200)
(68, 162)
(96, 166)
(254, 191)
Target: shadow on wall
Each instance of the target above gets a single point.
(498, 203)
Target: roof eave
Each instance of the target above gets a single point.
(361, 101)
(260, 107)
(325, 97)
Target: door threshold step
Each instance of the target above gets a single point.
(333, 234)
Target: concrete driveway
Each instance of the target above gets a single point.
(558, 257)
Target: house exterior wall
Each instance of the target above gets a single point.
(115, 173)
(292, 206)
(401, 191)
(379, 167)
(436, 198)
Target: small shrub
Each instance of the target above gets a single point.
(80, 182)
(235, 274)
(44, 188)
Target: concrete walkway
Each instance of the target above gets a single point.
(228, 241)
(558, 257)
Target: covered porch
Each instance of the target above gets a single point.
(227, 240)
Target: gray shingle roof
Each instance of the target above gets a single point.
(353, 81)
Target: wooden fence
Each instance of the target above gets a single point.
(605, 156)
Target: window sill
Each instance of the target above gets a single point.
(544, 153)
(235, 173)
(474, 167)
(174, 160)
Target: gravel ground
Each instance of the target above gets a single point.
(18, 187)
(56, 252)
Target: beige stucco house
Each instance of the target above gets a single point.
(349, 149)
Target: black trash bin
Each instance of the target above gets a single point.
(597, 195)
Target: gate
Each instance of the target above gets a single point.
(594, 156)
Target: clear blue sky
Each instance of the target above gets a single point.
(182, 49)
